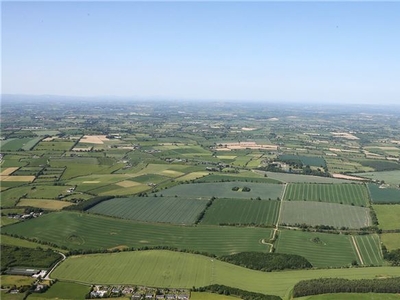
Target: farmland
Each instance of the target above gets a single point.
(85, 231)
(320, 213)
(352, 296)
(68, 290)
(153, 209)
(224, 190)
(241, 211)
(171, 183)
(355, 194)
(187, 270)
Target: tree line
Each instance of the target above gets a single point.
(341, 285)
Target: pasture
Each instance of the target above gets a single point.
(224, 190)
(44, 203)
(87, 231)
(321, 213)
(315, 161)
(17, 144)
(9, 197)
(12, 241)
(388, 216)
(241, 211)
(352, 296)
(320, 249)
(153, 209)
(210, 296)
(296, 178)
(63, 290)
(370, 250)
(192, 176)
(173, 269)
(356, 194)
(391, 240)
(54, 145)
(384, 194)
(389, 177)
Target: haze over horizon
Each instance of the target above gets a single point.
(261, 51)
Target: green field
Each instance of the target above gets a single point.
(352, 296)
(389, 177)
(295, 178)
(16, 144)
(356, 194)
(12, 241)
(63, 290)
(388, 216)
(321, 249)
(370, 249)
(176, 210)
(241, 211)
(224, 190)
(305, 160)
(9, 197)
(210, 296)
(249, 176)
(384, 195)
(321, 213)
(87, 231)
(391, 240)
(54, 146)
(173, 269)
(44, 203)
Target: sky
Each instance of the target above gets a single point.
(333, 52)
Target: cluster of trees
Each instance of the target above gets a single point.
(392, 256)
(88, 203)
(340, 285)
(12, 256)
(227, 290)
(267, 262)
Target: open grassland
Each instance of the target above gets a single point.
(118, 190)
(11, 280)
(153, 209)
(320, 213)
(389, 177)
(9, 197)
(173, 269)
(305, 160)
(86, 231)
(7, 296)
(192, 176)
(54, 145)
(296, 178)
(388, 216)
(391, 240)
(356, 194)
(320, 249)
(352, 296)
(370, 249)
(384, 195)
(63, 290)
(17, 144)
(241, 211)
(44, 203)
(12, 241)
(224, 190)
(149, 178)
(4, 220)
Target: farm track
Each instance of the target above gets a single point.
(357, 250)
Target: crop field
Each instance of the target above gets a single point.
(63, 290)
(391, 240)
(320, 249)
(224, 190)
(8, 171)
(173, 269)
(192, 176)
(16, 144)
(389, 177)
(54, 146)
(388, 216)
(210, 296)
(18, 178)
(241, 211)
(384, 195)
(153, 209)
(356, 194)
(320, 213)
(370, 249)
(44, 203)
(87, 231)
(295, 178)
(305, 160)
(118, 190)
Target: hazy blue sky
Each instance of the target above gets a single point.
(294, 51)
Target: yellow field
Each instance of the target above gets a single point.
(92, 181)
(44, 203)
(172, 173)
(94, 139)
(126, 191)
(8, 171)
(226, 156)
(128, 183)
(17, 178)
(191, 176)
